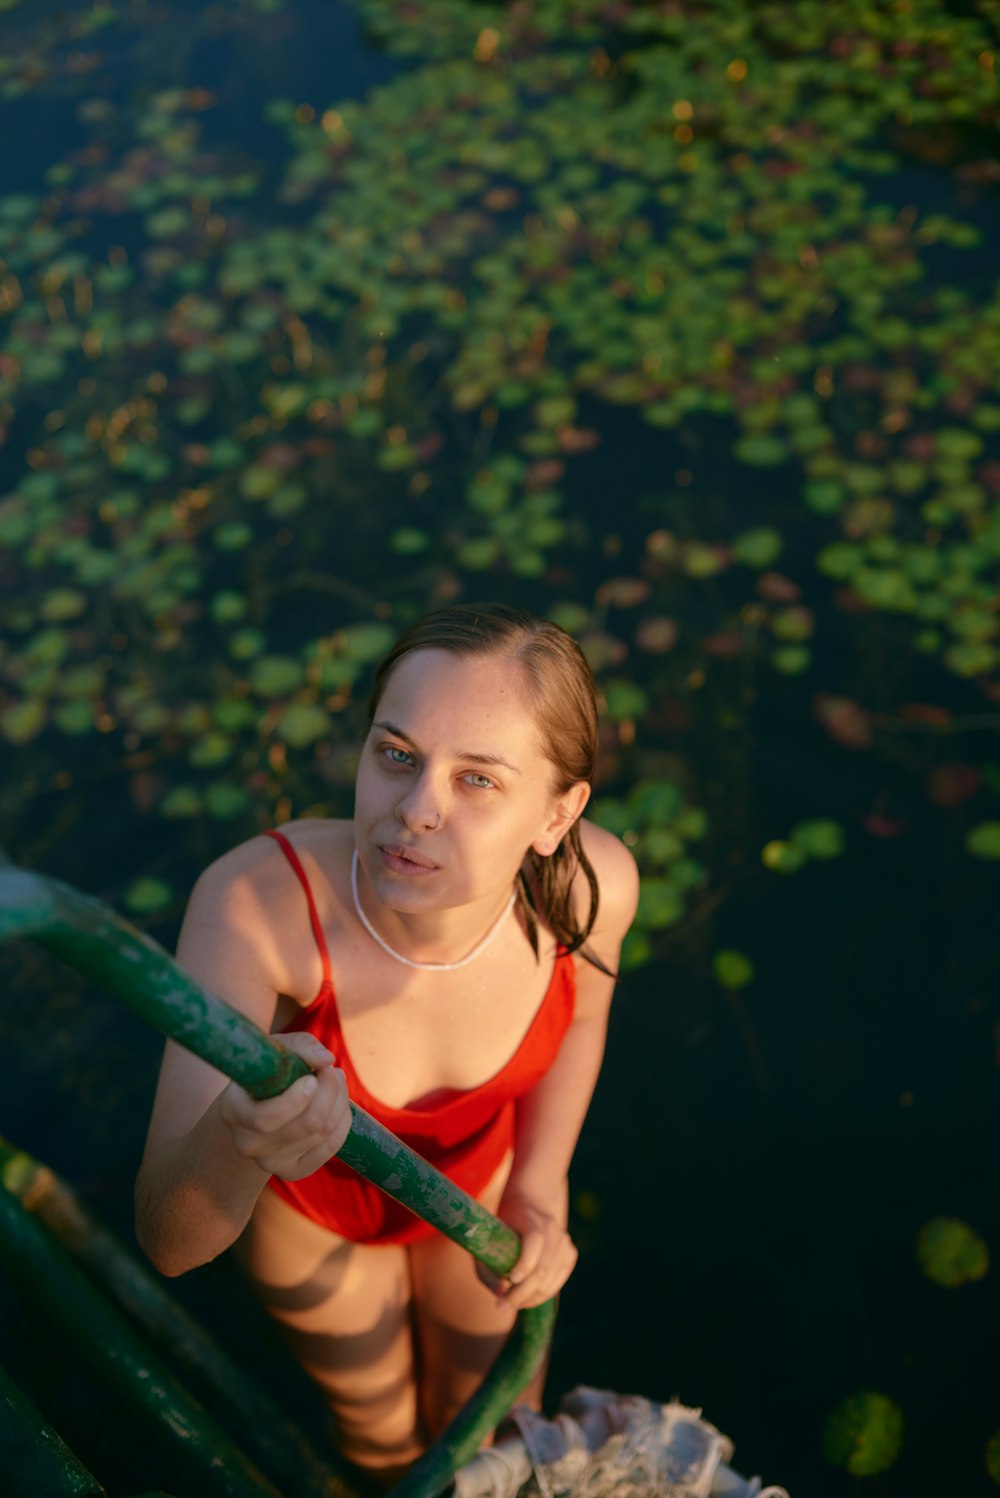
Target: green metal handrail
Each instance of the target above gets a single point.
(36, 1453)
(43, 1269)
(270, 1440)
(92, 938)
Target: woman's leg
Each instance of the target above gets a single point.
(459, 1328)
(346, 1311)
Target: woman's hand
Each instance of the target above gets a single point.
(295, 1133)
(548, 1255)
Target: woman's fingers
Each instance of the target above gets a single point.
(293, 1134)
(313, 1052)
(533, 1244)
(548, 1258)
(541, 1286)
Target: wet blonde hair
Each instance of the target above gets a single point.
(562, 698)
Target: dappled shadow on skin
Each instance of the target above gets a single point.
(370, 1391)
(467, 1351)
(322, 1351)
(309, 1293)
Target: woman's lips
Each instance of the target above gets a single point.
(405, 860)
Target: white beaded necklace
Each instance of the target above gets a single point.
(426, 967)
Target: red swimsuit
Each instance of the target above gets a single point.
(466, 1136)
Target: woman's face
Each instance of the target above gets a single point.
(453, 786)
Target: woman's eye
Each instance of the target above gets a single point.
(396, 756)
(482, 782)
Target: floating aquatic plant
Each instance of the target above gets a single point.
(864, 1434)
(993, 1457)
(734, 970)
(456, 286)
(951, 1253)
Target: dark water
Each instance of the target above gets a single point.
(761, 1165)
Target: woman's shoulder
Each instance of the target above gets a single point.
(617, 878)
(259, 866)
(245, 903)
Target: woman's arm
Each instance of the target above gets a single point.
(550, 1117)
(210, 1147)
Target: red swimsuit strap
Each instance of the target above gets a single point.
(293, 859)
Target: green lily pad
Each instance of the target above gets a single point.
(972, 658)
(840, 560)
(180, 803)
(367, 642)
(527, 563)
(656, 803)
(397, 456)
(23, 721)
(974, 624)
(276, 675)
(791, 660)
(699, 560)
(212, 749)
(782, 857)
(983, 840)
(864, 1434)
(479, 553)
(692, 823)
(660, 903)
(688, 873)
(794, 623)
(624, 700)
(761, 451)
(408, 541)
(167, 223)
(614, 816)
(82, 683)
(951, 1253)
(661, 845)
(246, 643)
(233, 714)
(554, 411)
(758, 548)
(993, 1457)
(302, 724)
(287, 500)
(63, 603)
(819, 838)
(225, 452)
(17, 208)
(147, 895)
(228, 606)
(258, 481)
(958, 442)
(224, 801)
(572, 617)
(637, 949)
(733, 970)
(48, 647)
(74, 718)
(233, 536)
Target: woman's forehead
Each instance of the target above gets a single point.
(437, 691)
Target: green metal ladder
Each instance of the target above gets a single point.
(81, 1275)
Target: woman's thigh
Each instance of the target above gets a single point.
(460, 1329)
(345, 1309)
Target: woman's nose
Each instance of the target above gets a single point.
(420, 810)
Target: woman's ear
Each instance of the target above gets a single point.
(568, 807)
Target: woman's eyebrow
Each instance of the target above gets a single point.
(466, 754)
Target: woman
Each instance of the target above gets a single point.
(447, 959)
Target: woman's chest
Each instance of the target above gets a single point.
(409, 1036)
